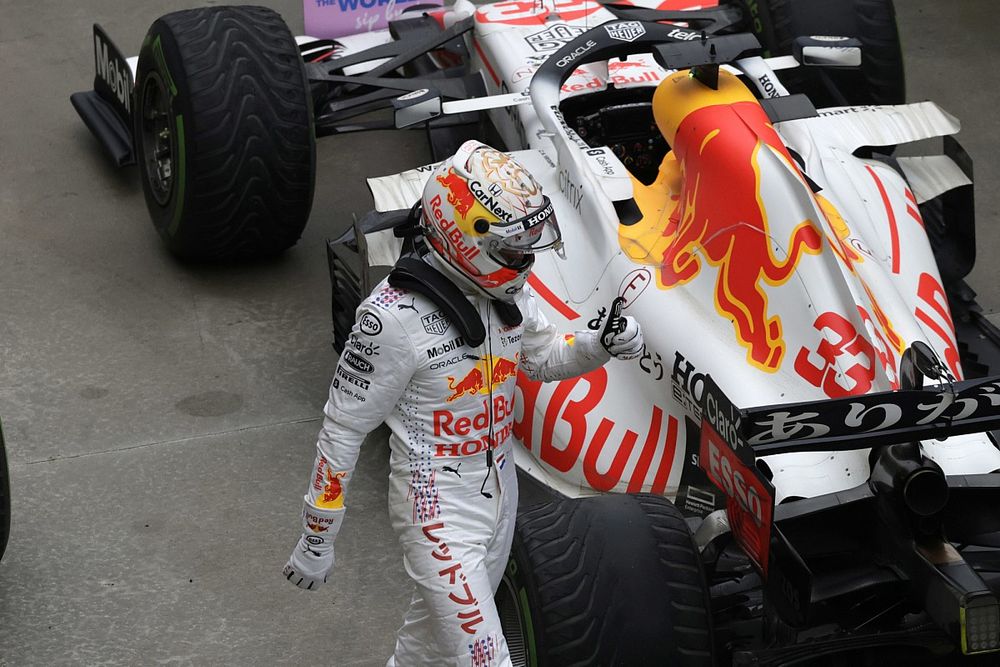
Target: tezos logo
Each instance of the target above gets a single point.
(627, 31)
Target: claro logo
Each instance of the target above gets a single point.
(575, 53)
(113, 72)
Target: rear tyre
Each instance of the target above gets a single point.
(880, 80)
(224, 133)
(610, 580)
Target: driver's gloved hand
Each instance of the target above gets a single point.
(310, 562)
(312, 558)
(627, 342)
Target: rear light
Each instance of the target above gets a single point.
(980, 622)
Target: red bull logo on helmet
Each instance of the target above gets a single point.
(459, 194)
(455, 236)
(487, 373)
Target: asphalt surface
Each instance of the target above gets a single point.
(160, 418)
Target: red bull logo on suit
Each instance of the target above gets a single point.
(469, 435)
(487, 373)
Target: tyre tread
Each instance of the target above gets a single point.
(251, 152)
(581, 612)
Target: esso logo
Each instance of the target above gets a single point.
(735, 484)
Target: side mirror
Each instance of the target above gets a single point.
(919, 362)
(417, 107)
(828, 51)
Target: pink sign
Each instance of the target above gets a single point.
(338, 18)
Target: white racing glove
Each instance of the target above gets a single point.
(622, 336)
(312, 559)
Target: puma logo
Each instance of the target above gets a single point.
(412, 306)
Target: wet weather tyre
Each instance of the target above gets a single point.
(610, 580)
(224, 133)
(880, 80)
(4, 496)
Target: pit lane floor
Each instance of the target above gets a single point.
(161, 418)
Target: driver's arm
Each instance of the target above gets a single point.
(546, 354)
(372, 373)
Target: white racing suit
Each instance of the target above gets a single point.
(406, 364)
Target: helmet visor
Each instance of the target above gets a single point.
(532, 233)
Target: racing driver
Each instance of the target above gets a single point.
(447, 399)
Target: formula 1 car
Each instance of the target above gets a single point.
(222, 106)
(800, 468)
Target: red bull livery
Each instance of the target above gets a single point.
(772, 266)
(801, 289)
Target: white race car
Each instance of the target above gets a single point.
(779, 258)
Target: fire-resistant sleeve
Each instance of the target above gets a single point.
(377, 363)
(546, 354)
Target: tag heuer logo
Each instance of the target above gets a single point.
(627, 31)
(554, 37)
(435, 323)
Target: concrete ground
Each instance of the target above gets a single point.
(160, 418)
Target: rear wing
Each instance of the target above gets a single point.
(874, 420)
(733, 438)
(908, 509)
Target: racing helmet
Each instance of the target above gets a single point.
(484, 216)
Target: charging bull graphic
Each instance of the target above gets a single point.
(331, 490)
(719, 138)
(459, 194)
(488, 373)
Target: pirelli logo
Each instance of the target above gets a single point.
(351, 378)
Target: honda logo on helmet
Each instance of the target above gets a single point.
(539, 217)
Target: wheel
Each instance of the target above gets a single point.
(4, 496)
(224, 133)
(610, 580)
(880, 80)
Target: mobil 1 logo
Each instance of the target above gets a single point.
(114, 77)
